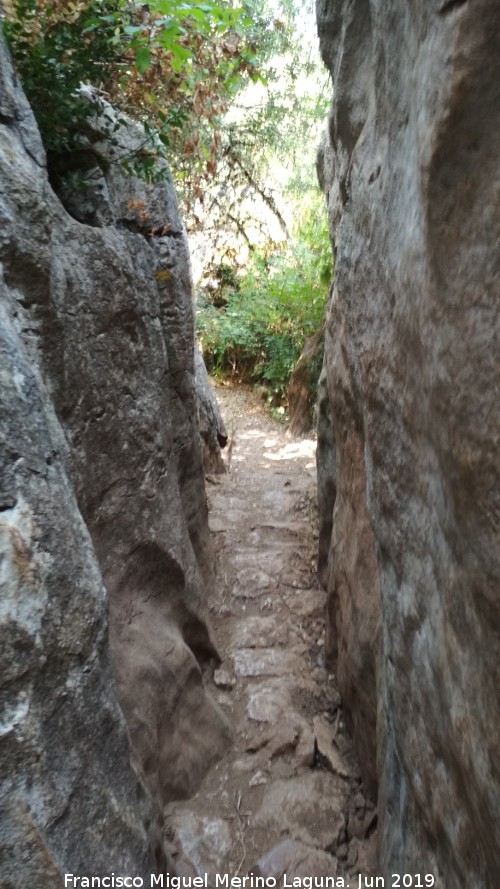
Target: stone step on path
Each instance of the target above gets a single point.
(288, 796)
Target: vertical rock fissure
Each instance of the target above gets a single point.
(287, 797)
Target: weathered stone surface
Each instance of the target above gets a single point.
(291, 738)
(252, 581)
(303, 807)
(98, 332)
(267, 662)
(259, 632)
(201, 841)
(331, 757)
(325, 470)
(67, 788)
(353, 599)
(295, 860)
(362, 858)
(412, 176)
(266, 703)
(223, 679)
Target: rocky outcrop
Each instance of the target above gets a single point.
(67, 785)
(412, 177)
(102, 467)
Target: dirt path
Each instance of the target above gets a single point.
(290, 774)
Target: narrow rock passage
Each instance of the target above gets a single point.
(290, 774)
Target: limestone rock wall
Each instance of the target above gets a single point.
(102, 480)
(67, 788)
(412, 174)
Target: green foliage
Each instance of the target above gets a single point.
(168, 63)
(52, 60)
(177, 66)
(266, 157)
(259, 334)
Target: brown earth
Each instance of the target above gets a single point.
(290, 774)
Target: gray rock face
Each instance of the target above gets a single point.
(412, 379)
(67, 787)
(102, 476)
(325, 468)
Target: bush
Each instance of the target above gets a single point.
(259, 334)
(173, 65)
(53, 56)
